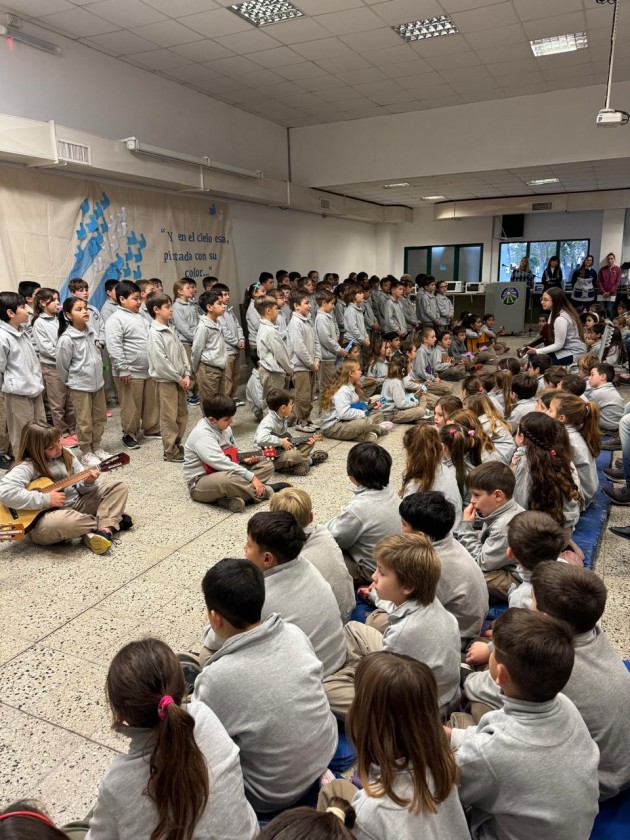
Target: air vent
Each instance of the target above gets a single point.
(324, 204)
(73, 152)
(542, 205)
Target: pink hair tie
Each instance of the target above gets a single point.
(552, 452)
(471, 432)
(452, 432)
(163, 704)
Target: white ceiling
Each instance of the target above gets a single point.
(573, 177)
(342, 61)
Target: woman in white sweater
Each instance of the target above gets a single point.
(182, 777)
(565, 326)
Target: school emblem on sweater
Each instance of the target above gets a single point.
(510, 295)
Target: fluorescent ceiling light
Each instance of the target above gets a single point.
(559, 44)
(266, 12)
(395, 186)
(541, 181)
(418, 30)
(135, 145)
(13, 34)
(432, 197)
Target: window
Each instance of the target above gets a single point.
(446, 262)
(570, 251)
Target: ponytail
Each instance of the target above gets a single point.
(455, 439)
(583, 415)
(145, 687)
(480, 442)
(504, 384)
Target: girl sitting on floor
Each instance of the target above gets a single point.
(494, 425)
(425, 468)
(343, 415)
(581, 420)
(444, 407)
(407, 407)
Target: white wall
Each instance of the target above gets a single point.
(90, 91)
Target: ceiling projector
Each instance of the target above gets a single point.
(611, 118)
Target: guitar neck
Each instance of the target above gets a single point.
(75, 478)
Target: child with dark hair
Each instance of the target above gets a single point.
(305, 355)
(461, 588)
(424, 371)
(265, 686)
(212, 469)
(524, 393)
(182, 777)
(425, 467)
(275, 364)
(295, 458)
(328, 336)
(491, 488)
(209, 350)
(27, 289)
(234, 341)
(537, 365)
(493, 424)
(488, 330)
(185, 319)
(477, 342)
(573, 384)
(20, 373)
(408, 408)
(514, 764)
(79, 288)
(553, 376)
(607, 397)
(581, 420)
(109, 307)
(544, 474)
(354, 328)
(427, 313)
(126, 333)
(393, 314)
(371, 514)
(447, 366)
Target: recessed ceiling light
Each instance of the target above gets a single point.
(432, 197)
(395, 186)
(541, 181)
(418, 30)
(266, 12)
(559, 44)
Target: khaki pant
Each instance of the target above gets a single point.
(360, 430)
(326, 375)
(379, 619)
(339, 789)
(173, 415)
(192, 388)
(59, 401)
(498, 583)
(228, 484)
(411, 415)
(138, 407)
(91, 412)
(5, 441)
(361, 575)
(289, 458)
(270, 379)
(111, 391)
(339, 687)
(304, 381)
(209, 380)
(101, 508)
(232, 375)
(20, 411)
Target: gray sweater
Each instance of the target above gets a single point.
(324, 553)
(354, 323)
(529, 772)
(253, 323)
(327, 335)
(394, 317)
(462, 588)
(232, 330)
(379, 817)
(126, 338)
(209, 345)
(45, 333)
(13, 492)
(79, 361)
(271, 430)
(205, 445)
(123, 810)
(108, 309)
(584, 464)
(431, 635)
(271, 349)
(445, 481)
(611, 406)
(426, 308)
(368, 517)
(20, 372)
(265, 686)
(522, 489)
(502, 440)
(168, 361)
(488, 547)
(185, 319)
(302, 342)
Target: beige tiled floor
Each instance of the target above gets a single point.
(65, 612)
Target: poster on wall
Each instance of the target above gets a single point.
(54, 228)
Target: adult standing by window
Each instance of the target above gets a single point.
(607, 285)
(583, 279)
(552, 275)
(567, 333)
(523, 273)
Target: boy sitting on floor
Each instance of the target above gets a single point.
(607, 397)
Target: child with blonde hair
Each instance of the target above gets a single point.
(493, 424)
(343, 415)
(425, 468)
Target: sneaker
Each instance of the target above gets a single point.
(386, 425)
(306, 426)
(614, 475)
(181, 448)
(102, 454)
(5, 462)
(318, 457)
(299, 469)
(174, 457)
(108, 413)
(130, 442)
(192, 400)
(618, 463)
(189, 663)
(126, 522)
(152, 434)
(311, 422)
(90, 460)
(280, 485)
(618, 495)
(232, 503)
(239, 403)
(370, 437)
(98, 541)
(612, 445)
(70, 441)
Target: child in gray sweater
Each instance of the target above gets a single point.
(209, 350)
(265, 686)
(530, 768)
(607, 397)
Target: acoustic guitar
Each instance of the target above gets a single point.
(14, 524)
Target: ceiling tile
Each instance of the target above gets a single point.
(367, 74)
(511, 52)
(600, 17)
(505, 68)
(464, 5)
(251, 41)
(216, 22)
(502, 36)
(319, 7)
(488, 17)
(193, 73)
(276, 57)
(560, 25)
(399, 97)
(181, 7)
(374, 39)
(324, 48)
(38, 8)
(392, 55)
(422, 80)
(305, 70)
(297, 31)
(168, 33)
(449, 45)
(277, 91)
(258, 77)
(348, 22)
(375, 88)
(234, 65)
(77, 22)
(126, 13)
(203, 51)
(158, 59)
(467, 58)
(535, 9)
(403, 11)
(120, 42)
(349, 61)
(321, 83)
(409, 68)
(470, 86)
(467, 73)
(221, 85)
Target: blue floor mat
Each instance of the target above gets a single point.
(590, 528)
(613, 820)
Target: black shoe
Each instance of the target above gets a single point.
(614, 475)
(126, 522)
(612, 445)
(281, 485)
(618, 464)
(130, 442)
(5, 462)
(618, 495)
(152, 434)
(621, 531)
